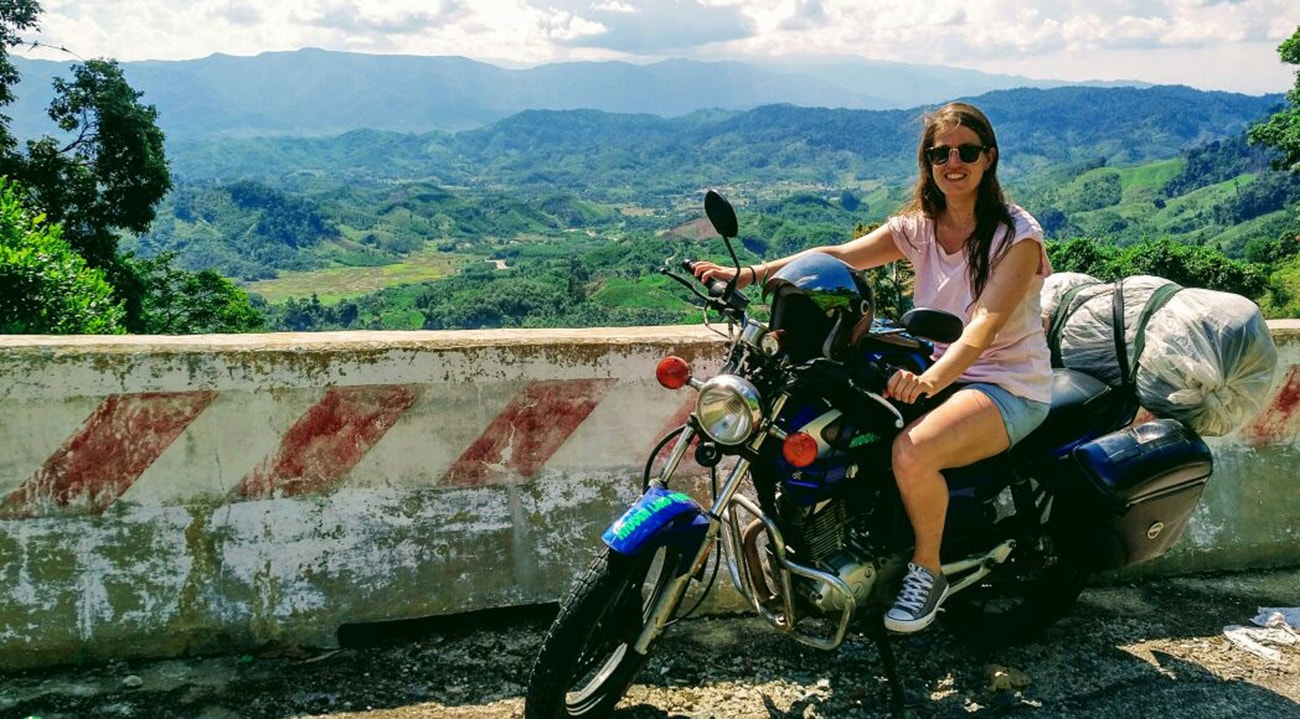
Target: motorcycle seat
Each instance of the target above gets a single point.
(1083, 408)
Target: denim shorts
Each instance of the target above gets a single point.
(1021, 416)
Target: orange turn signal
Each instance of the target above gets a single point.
(800, 449)
(673, 372)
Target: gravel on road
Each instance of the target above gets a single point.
(1147, 649)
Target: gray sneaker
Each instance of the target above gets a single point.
(918, 602)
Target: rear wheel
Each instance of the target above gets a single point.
(587, 662)
(1021, 598)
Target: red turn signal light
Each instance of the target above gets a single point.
(800, 449)
(673, 372)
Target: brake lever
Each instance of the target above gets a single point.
(687, 283)
(841, 376)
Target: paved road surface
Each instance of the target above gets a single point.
(1145, 650)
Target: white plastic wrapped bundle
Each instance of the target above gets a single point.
(1057, 284)
(1208, 362)
(1086, 339)
(1203, 357)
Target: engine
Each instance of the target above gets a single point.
(823, 508)
(824, 542)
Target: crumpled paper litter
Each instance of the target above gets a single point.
(1274, 626)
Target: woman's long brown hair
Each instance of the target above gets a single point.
(990, 203)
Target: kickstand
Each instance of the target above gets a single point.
(897, 697)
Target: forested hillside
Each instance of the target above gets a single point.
(606, 153)
(120, 217)
(562, 217)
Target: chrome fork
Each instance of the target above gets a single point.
(663, 609)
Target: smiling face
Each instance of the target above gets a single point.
(968, 173)
(955, 178)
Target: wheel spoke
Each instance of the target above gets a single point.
(586, 662)
(619, 625)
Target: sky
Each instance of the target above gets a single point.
(1208, 44)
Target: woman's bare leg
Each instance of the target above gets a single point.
(964, 429)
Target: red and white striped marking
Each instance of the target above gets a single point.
(120, 440)
(334, 432)
(127, 434)
(1279, 422)
(328, 441)
(527, 432)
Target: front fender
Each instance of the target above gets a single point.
(659, 517)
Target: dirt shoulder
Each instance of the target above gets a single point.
(1151, 649)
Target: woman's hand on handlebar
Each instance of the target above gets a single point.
(908, 387)
(706, 271)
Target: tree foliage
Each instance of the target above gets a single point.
(181, 302)
(1216, 162)
(45, 286)
(1282, 129)
(109, 175)
(16, 16)
(1187, 265)
(102, 174)
(1095, 190)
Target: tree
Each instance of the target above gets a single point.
(893, 283)
(112, 173)
(1193, 266)
(178, 302)
(1098, 189)
(15, 17)
(1051, 220)
(1083, 254)
(1187, 265)
(1282, 129)
(46, 287)
(104, 175)
(107, 179)
(850, 201)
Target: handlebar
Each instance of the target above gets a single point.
(850, 389)
(717, 288)
(722, 296)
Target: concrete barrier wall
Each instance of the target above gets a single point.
(161, 496)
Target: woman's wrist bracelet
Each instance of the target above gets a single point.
(753, 273)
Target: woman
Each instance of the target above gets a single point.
(983, 260)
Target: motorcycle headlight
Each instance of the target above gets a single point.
(729, 409)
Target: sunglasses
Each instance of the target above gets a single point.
(968, 153)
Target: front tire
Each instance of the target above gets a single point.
(586, 662)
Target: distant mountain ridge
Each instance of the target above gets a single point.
(317, 92)
(594, 150)
(252, 206)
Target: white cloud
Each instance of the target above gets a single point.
(1067, 39)
(243, 14)
(659, 26)
(807, 15)
(565, 27)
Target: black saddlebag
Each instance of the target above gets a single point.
(1140, 486)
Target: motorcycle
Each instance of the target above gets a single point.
(821, 537)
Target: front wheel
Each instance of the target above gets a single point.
(587, 662)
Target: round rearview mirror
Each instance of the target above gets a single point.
(721, 214)
(935, 325)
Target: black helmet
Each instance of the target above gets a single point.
(821, 304)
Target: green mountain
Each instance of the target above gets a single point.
(563, 216)
(599, 153)
(317, 92)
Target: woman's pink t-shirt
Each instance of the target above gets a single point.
(1018, 360)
